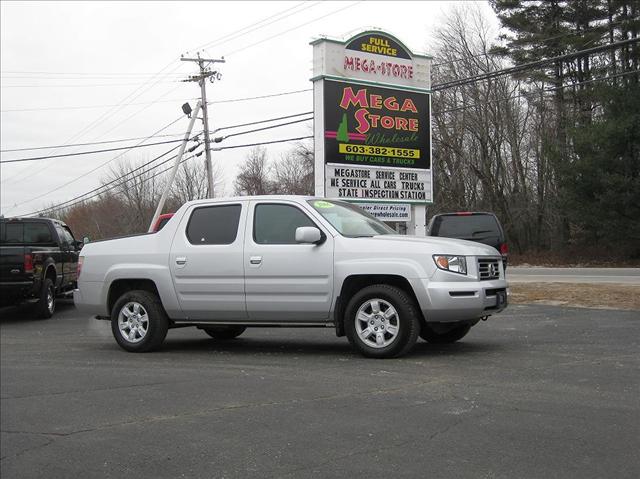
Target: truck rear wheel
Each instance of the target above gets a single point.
(442, 334)
(224, 332)
(46, 305)
(381, 321)
(139, 322)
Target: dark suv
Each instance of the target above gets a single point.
(473, 226)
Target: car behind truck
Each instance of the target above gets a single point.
(225, 265)
(38, 262)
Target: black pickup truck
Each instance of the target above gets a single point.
(38, 262)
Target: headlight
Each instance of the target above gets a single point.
(455, 264)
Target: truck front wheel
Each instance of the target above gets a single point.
(139, 322)
(443, 333)
(381, 321)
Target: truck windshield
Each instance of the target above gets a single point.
(350, 220)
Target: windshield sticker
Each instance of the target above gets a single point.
(323, 204)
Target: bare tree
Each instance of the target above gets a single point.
(191, 183)
(254, 177)
(484, 140)
(294, 172)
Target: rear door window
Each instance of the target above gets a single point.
(466, 226)
(214, 225)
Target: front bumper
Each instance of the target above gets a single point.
(461, 301)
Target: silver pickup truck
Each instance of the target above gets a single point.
(223, 265)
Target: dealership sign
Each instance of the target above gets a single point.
(385, 212)
(372, 120)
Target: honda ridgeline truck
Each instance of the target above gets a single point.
(223, 265)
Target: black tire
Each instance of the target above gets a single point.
(224, 333)
(46, 305)
(157, 322)
(407, 321)
(444, 336)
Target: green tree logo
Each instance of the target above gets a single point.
(343, 129)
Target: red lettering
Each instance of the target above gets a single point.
(375, 101)
(387, 122)
(374, 120)
(361, 117)
(391, 103)
(413, 124)
(408, 105)
(401, 123)
(355, 99)
(348, 63)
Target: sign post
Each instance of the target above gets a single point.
(372, 125)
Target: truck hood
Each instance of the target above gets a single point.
(438, 245)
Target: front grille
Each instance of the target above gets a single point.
(488, 268)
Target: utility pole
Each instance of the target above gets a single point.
(176, 164)
(205, 73)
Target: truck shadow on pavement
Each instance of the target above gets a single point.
(24, 313)
(297, 347)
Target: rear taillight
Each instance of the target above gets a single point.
(79, 269)
(28, 263)
(464, 213)
(503, 248)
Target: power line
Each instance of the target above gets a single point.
(20, 72)
(83, 86)
(64, 203)
(483, 54)
(112, 187)
(91, 152)
(293, 28)
(531, 65)
(257, 25)
(536, 93)
(263, 128)
(86, 144)
(96, 168)
(94, 192)
(261, 121)
(259, 97)
(261, 143)
(230, 100)
(106, 186)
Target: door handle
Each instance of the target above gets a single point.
(255, 260)
(181, 260)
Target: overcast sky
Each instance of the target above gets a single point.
(66, 64)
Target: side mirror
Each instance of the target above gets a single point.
(85, 240)
(78, 245)
(308, 234)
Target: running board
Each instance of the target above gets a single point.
(257, 324)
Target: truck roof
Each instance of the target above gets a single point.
(32, 219)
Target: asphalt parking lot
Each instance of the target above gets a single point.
(539, 392)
